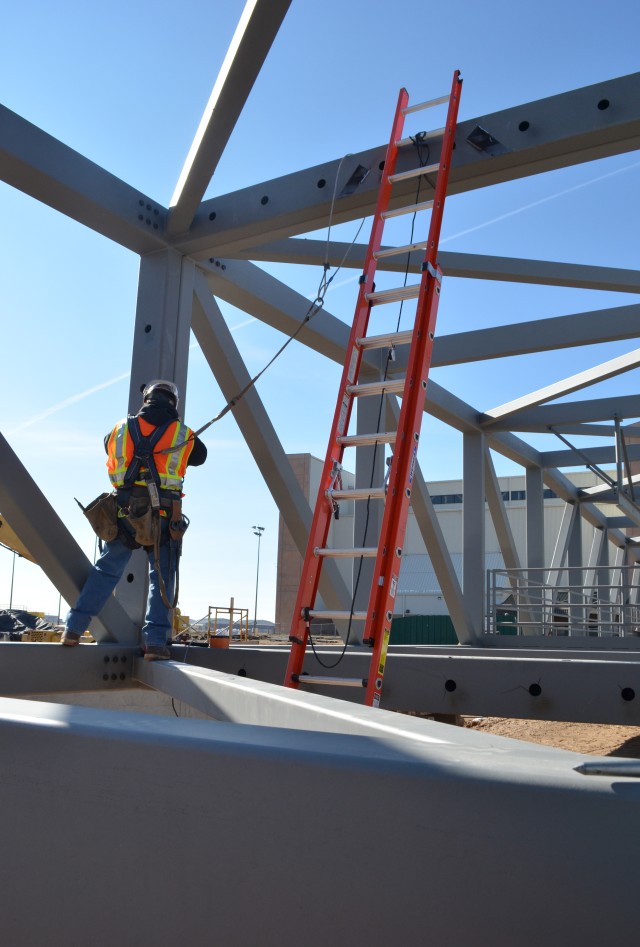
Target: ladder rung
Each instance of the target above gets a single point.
(316, 679)
(359, 551)
(425, 105)
(396, 251)
(337, 616)
(376, 388)
(410, 209)
(414, 173)
(363, 440)
(365, 493)
(424, 136)
(393, 295)
(386, 340)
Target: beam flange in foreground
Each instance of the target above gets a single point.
(149, 791)
(562, 684)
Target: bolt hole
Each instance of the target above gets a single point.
(147, 329)
(603, 104)
(628, 693)
(535, 690)
(107, 659)
(212, 215)
(130, 577)
(114, 677)
(105, 677)
(242, 673)
(450, 686)
(523, 126)
(264, 200)
(321, 183)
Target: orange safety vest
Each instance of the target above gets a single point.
(171, 466)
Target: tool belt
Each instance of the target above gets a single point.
(137, 524)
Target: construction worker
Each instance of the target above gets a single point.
(147, 455)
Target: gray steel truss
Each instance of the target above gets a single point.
(198, 252)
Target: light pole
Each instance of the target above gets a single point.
(257, 531)
(13, 571)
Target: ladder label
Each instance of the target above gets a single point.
(343, 415)
(383, 653)
(412, 468)
(394, 586)
(353, 364)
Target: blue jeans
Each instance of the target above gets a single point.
(106, 574)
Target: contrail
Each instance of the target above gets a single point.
(69, 401)
(74, 399)
(543, 200)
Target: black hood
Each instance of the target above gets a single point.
(158, 411)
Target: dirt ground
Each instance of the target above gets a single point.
(597, 739)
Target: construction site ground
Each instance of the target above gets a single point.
(592, 738)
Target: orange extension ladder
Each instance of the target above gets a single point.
(412, 388)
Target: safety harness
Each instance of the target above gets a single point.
(143, 468)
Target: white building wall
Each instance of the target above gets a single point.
(450, 519)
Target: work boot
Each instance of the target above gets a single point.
(70, 638)
(157, 653)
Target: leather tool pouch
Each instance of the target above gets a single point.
(141, 520)
(102, 513)
(178, 523)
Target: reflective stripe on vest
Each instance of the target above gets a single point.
(171, 466)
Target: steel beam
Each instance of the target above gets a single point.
(45, 169)
(254, 35)
(480, 266)
(595, 455)
(581, 679)
(219, 788)
(473, 528)
(546, 416)
(253, 291)
(49, 668)
(563, 130)
(37, 525)
(538, 335)
(433, 538)
(535, 517)
(230, 372)
(591, 376)
(499, 515)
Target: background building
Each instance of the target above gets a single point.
(419, 591)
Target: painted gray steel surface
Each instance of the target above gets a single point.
(193, 832)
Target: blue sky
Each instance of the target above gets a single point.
(126, 84)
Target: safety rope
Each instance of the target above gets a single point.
(310, 314)
(156, 527)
